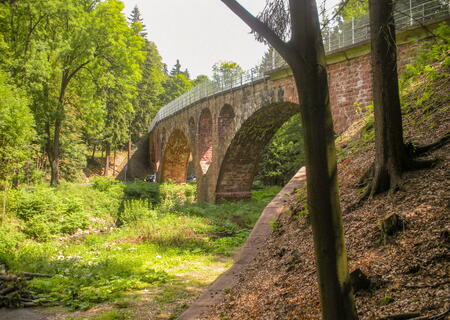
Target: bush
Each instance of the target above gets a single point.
(177, 194)
(142, 191)
(30, 203)
(133, 211)
(73, 222)
(103, 183)
(48, 212)
(39, 228)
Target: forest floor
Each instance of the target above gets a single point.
(410, 272)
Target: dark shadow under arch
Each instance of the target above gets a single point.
(242, 156)
(176, 158)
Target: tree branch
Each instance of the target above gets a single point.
(257, 26)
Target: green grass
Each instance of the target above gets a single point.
(106, 242)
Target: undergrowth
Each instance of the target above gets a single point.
(103, 241)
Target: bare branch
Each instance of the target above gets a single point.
(257, 26)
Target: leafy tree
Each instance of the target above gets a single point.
(226, 72)
(352, 9)
(200, 79)
(174, 87)
(16, 129)
(53, 54)
(305, 55)
(283, 156)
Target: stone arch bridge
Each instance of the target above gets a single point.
(218, 133)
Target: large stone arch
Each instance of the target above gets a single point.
(242, 156)
(225, 122)
(205, 145)
(176, 158)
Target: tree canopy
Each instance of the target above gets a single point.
(89, 77)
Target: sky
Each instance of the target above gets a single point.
(200, 33)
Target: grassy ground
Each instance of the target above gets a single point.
(116, 251)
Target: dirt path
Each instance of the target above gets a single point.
(257, 237)
(21, 314)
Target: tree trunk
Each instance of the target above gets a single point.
(128, 173)
(306, 57)
(93, 151)
(310, 72)
(114, 158)
(390, 153)
(54, 153)
(108, 158)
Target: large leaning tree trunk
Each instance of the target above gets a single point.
(306, 56)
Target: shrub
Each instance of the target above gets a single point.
(73, 222)
(103, 183)
(133, 211)
(142, 190)
(39, 228)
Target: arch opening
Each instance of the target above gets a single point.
(226, 121)
(205, 139)
(176, 158)
(242, 157)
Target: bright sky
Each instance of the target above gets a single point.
(200, 32)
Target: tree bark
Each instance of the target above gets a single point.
(306, 57)
(390, 152)
(54, 156)
(128, 173)
(114, 158)
(107, 158)
(93, 151)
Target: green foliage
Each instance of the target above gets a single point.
(300, 209)
(429, 55)
(80, 70)
(274, 225)
(142, 190)
(16, 129)
(150, 249)
(150, 88)
(226, 72)
(386, 300)
(283, 156)
(174, 87)
(103, 183)
(47, 214)
(354, 9)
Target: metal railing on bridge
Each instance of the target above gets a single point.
(336, 35)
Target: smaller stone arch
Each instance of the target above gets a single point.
(176, 158)
(225, 122)
(205, 125)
